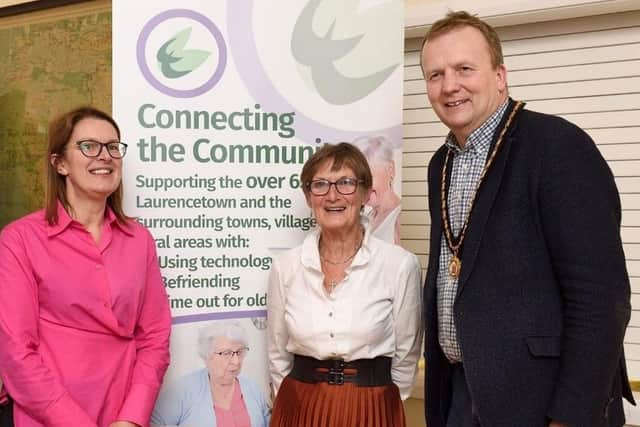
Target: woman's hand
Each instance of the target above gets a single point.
(123, 424)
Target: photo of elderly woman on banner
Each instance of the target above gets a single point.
(216, 395)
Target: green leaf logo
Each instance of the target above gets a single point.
(175, 61)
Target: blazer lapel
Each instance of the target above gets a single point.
(484, 200)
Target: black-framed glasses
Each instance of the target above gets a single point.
(228, 354)
(344, 185)
(91, 148)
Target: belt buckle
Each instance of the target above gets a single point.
(336, 373)
(335, 376)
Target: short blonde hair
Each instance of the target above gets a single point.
(462, 18)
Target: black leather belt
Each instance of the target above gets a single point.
(362, 372)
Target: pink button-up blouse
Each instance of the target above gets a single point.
(84, 327)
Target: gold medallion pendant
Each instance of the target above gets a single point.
(454, 267)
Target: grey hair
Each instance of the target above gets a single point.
(375, 148)
(230, 329)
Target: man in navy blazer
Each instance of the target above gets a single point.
(527, 295)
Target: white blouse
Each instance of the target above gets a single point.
(375, 310)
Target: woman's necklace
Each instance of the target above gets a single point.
(455, 265)
(347, 259)
(332, 281)
(332, 285)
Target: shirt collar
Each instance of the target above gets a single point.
(112, 219)
(65, 220)
(480, 139)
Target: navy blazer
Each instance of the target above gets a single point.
(543, 298)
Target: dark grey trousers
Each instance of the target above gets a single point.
(462, 410)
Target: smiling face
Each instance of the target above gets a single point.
(89, 179)
(224, 370)
(463, 86)
(337, 212)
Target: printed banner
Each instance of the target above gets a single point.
(221, 103)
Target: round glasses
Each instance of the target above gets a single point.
(344, 185)
(228, 354)
(91, 148)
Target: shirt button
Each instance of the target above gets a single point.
(331, 334)
(330, 314)
(106, 304)
(98, 266)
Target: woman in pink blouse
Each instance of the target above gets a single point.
(84, 319)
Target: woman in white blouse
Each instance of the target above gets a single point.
(344, 314)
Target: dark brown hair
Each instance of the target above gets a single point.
(339, 155)
(60, 130)
(462, 18)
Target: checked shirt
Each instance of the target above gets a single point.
(467, 165)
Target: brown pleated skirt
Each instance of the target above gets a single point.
(300, 404)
